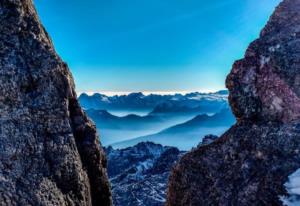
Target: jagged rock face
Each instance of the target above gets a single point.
(247, 166)
(208, 139)
(139, 174)
(49, 149)
(252, 161)
(265, 84)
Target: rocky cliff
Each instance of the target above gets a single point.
(250, 163)
(139, 174)
(49, 150)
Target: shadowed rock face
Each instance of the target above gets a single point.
(250, 163)
(49, 149)
(265, 85)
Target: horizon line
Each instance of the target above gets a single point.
(118, 93)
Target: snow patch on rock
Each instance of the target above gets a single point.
(293, 188)
(263, 61)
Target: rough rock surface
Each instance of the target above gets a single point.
(265, 85)
(250, 163)
(139, 174)
(49, 150)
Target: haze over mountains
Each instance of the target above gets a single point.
(170, 120)
(188, 134)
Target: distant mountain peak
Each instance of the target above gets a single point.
(222, 92)
(136, 94)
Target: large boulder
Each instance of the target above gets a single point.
(251, 162)
(49, 150)
(265, 85)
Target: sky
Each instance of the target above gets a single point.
(120, 46)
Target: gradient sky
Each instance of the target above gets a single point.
(152, 45)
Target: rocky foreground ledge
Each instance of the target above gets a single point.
(49, 150)
(251, 163)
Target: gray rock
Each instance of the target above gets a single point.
(250, 163)
(208, 139)
(49, 150)
(139, 174)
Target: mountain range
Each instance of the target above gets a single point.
(188, 134)
(205, 102)
(162, 112)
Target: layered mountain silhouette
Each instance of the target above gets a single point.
(188, 134)
(166, 111)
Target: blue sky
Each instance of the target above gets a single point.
(152, 45)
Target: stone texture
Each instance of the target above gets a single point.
(139, 174)
(49, 150)
(250, 163)
(208, 139)
(265, 84)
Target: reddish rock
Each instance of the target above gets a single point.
(250, 163)
(265, 84)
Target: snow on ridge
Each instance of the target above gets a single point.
(210, 97)
(293, 188)
(105, 99)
